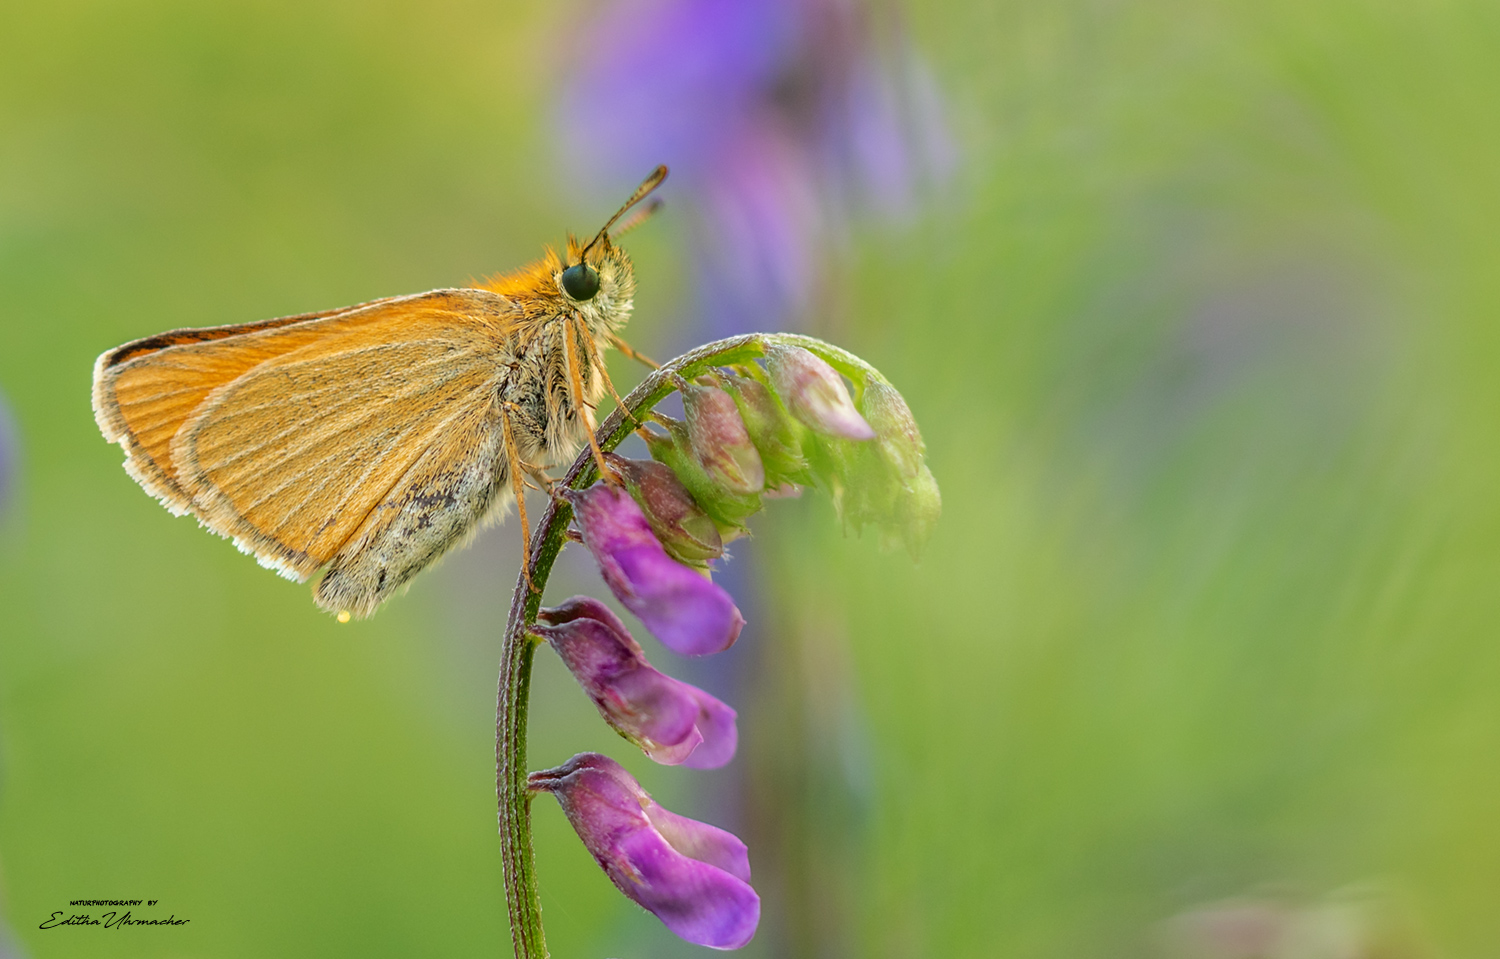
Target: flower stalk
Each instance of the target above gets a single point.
(514, 797)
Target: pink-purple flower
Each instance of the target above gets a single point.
(694, 877)
(678, 604)
(673, 722)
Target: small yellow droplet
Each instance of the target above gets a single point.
(343, 616)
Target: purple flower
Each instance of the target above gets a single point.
(8, 458)
(671, 721)
(694, 877)
(680, 606)
(815, 394)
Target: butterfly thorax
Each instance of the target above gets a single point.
(536, 387)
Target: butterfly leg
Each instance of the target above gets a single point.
(517, 469)
(588, 344)
(630, 351)
(570, 355)
(544, 483)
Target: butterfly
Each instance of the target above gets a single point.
(368, 441)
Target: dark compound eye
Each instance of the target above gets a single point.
(580, 281)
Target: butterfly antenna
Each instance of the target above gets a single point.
(641, 192)
(640, 216)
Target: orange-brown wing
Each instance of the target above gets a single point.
(284, 437)
(140, 403)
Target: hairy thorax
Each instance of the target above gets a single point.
(535, 384)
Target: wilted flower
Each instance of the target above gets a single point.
(694, 877)
(671, 721)
(687, 532)
(719, 438)
(680, 606)
(815, 393)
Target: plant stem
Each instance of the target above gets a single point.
(516, 654)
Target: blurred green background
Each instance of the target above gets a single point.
(1204, 342)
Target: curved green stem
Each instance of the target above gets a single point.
(548, 540)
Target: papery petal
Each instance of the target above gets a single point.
(609, 518)
(699, 902)
(650, 854)
(655, 711)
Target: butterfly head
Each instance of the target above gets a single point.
(596, 284)
(598, 278)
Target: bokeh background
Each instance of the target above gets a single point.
(1198, 306)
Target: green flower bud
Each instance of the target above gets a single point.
(674, 451)
(917, 510)
(719, 439)
(775, 434)
(814, 392)
(896, 433)
(685, 530)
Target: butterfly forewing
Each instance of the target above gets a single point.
(287, 437)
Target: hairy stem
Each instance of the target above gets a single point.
(547, 541)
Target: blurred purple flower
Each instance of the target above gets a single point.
(680, 606)
(694, 877)
(671, 721)
(8, 457)
(779, 119)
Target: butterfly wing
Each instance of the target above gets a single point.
(439, 501)
(145, 390)
(287, 436)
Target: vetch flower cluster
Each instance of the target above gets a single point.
(749, 432)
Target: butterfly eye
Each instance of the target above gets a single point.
(580, 281)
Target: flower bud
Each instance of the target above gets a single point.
(674, 451)
(694, 877)
(896, 433)
(815, 393)
(671, 721)
(681, 607)
(687, 532)
(719, 438)
(917, 510)
(775, 434)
